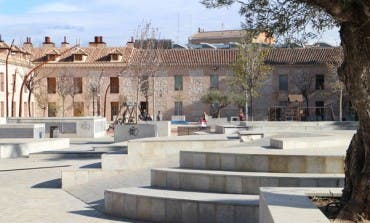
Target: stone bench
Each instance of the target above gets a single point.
(237, 182)
(36, 131)
(229, 129)
(246, 136)
(158, 205)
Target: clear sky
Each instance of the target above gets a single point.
(115, 20)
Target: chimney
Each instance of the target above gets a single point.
(130, 43)
(48, 42)
(65, 43)
(1, 40)
(98, 42)
(28, 43)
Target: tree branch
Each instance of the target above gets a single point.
(336, 8)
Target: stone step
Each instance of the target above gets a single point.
(238, 182)
(158, 205)
(278, 162)
(66, 155)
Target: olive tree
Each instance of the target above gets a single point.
(307, 17)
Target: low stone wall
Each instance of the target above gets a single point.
(84, 127)
(281, 205)
(339, 141)
(71, 178)
(190, 129)
(12, 148)
(229, 129)
(301, 126)
(157, 152)
(36, 131)
(142, 130)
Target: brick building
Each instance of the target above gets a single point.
(14, 65)
(103, 80)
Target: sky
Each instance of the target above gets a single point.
(115, 20)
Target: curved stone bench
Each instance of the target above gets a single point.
(159, 205)
(238, 182)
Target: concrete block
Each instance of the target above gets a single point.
(158, 178)
(81, 177)
(207, 212)
(186, 159)
(189, 212)
(315, 164)
(277, 164)
(307, 182)
(158, 210)
(234, 184)
(213, 161)
(117, 204)
(228, 162)
(218, 183)
(334, 165)
(296, 164)
(173, 180)
(201, 182)
(251, 185)
(199, 161)
(260, 163)
(224, 213)
(288, 182)
(173, 211)
(144, 208)
(269, 182)
(130, 206)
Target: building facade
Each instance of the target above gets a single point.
(103, 80)
(15, 64)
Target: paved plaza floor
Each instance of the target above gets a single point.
(30, 191)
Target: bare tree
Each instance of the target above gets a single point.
(250, 71)
(64, 88)
(305, 85)
(145, 62)
(42, 100)
(94, 88)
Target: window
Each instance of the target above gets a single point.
(178, 108)
(52, 57)
(52, 109)
(113, 110)
(2, 82)
(52, 85)
(78, 109)
(283, 82)
(78, 57)
(114, 57)
(319, 83)
(178, 83)
(77, 85)
(214, 81)
(320, 110)
(114, 85)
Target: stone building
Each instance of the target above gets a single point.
(14, 65)
(104, 80)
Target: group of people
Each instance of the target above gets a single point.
(145, 116)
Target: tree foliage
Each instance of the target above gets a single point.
(250, 71)
(217, 101)
(295, 18)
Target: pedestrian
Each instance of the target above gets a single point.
(159, 116)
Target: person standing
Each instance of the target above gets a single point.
(159, 116)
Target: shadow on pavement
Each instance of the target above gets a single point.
(56, 183)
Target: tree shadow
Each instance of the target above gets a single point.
(50, 184)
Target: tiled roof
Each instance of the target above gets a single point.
(198, 57)
(304, 55)
(94, 54)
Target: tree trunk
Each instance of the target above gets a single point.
(355, 73)
(29, 102)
